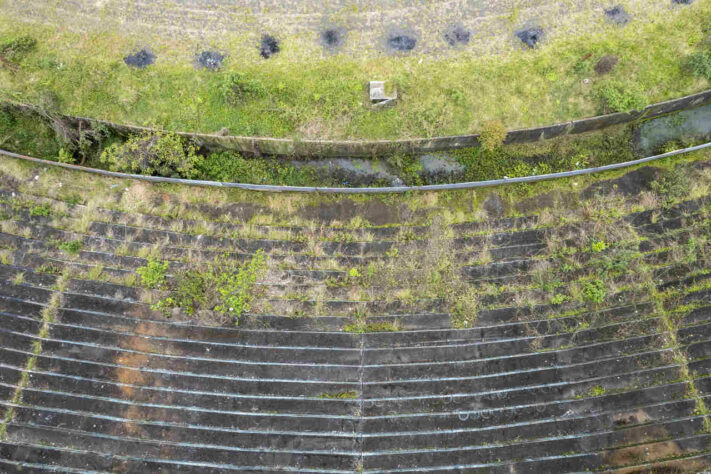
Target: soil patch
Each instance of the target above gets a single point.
(618, 15)
(333, 38)
(606, 64)
(530, 36)
(682, 2)
(457, 35)
(343, 210)
(630, 184)
(494, 205)
(141, 60)
(269, 46)
(211, 60)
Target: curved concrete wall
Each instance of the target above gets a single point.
(369, 148)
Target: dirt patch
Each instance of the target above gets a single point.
(9, 182)
(630, 184)
(269, 46)
(211, 60)
(141, 60)
(617, 15)
(332, 38)
(606, 64)
(343, 210)
(494, 205)
(530, 36)
(682, 2)
(457, 35)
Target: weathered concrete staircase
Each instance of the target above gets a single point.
(92, 379)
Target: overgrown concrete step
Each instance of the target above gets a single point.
(558, 391)
(697, 315)
(515, 379)
(186, 452)
(508, 330)
(315, 308)
(625, 402)
(470, 435)
(389, 231)
(463, 366)
(609, 335)
(682, 432)
(619, 302)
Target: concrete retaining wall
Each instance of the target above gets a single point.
(366, 148)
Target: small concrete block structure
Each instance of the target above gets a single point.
(377, 94)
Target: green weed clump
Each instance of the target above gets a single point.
(594, 291)
(234, 168)
(40, 210)
(618, 96)
(156, 154)
(672, 186)
(219, 286)
(72, 247)
(153, 274)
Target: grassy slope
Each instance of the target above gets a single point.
(327, 98)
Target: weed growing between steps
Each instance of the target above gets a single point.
(49, 314)
(217, 291)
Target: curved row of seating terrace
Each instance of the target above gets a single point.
(92, 379)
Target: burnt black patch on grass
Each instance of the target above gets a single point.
(617, 15)
(141, 60)
(333, 38)
(401, 42)
(457, 35)
(269, 46)
(211, 60)
(530, 36)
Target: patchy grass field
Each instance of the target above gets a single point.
(290, 96)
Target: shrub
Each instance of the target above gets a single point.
(236, 88)
(492, 135)
(700, 65)
(161, 154)
(153, 274)
(15, 49)
(594, 291)
(620, 97)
